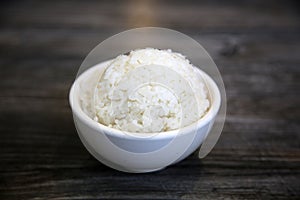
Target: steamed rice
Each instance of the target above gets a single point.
(170, 101)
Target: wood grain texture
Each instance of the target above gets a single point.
(256, 46)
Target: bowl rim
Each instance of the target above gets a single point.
(210, 114)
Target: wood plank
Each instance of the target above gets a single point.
(245, 15)
(48, 43)
(96, 181)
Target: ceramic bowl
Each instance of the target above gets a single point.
(137, 154)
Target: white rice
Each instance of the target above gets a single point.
(125, 99)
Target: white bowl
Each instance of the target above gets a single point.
(129, 153)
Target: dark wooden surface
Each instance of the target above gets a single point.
(256, 45)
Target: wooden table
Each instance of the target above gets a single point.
(256, 46)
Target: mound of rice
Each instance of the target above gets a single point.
(149, 90)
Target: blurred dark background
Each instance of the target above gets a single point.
(256, 46)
